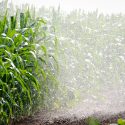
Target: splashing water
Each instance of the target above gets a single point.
(92, 62)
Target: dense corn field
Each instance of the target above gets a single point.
(37, 70)
(24, 73)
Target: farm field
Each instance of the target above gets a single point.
(61, 68)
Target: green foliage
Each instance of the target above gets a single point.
(92, 121)
(121, 122)
(25, 75)
(18, 85)
(13, 21)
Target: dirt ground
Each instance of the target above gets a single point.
(107, 111)
(43, 118)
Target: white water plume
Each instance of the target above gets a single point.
(91, 57)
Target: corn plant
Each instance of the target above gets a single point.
(20, 67)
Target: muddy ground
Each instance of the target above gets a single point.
(43, 118)
(107, 110)
(105, 113)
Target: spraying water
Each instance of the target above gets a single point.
(91, 57)
(92, 62)
(104, 6)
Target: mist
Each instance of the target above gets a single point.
(104, 6)
(90, 53)
(81, 45)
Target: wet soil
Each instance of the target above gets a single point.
(107, 110)
(60, 118)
